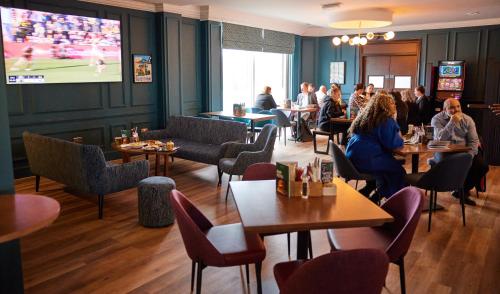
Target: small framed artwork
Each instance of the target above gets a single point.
(337, 72)
(143, 68)
(377, 81)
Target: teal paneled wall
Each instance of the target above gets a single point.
(97, 111)
(469, 44)
(211, 64)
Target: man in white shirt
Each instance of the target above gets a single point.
(320, 95)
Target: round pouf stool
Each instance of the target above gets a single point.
(154, 202)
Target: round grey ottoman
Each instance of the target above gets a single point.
(154, 202)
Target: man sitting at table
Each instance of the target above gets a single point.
(453, 125)
(306, 99)
(321, 96)
(265, 100)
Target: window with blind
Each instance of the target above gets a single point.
(246, 73)
(252, 59)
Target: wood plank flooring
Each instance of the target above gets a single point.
(81, 254)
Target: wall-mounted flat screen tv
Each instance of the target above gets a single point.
(42, 47)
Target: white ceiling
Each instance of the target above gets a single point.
(308, 14)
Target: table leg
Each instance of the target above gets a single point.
(414, 163)
(125, 158)
(157, 164)
(302, 244)
(11, 275)
(298, 126)
(165, 167)
(252, 130)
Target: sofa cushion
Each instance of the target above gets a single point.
(196, 151)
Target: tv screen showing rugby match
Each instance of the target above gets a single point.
(42, 47)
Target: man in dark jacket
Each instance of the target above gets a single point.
(425, 111)
(265, 101)
(331, 109)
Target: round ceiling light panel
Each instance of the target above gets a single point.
(360, 18)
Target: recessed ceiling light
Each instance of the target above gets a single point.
(472, 13)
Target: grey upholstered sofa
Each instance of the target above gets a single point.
(80, 167)
(200, 139)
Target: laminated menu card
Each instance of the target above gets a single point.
(285, 177)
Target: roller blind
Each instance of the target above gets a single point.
(278, 42)
(255, 39)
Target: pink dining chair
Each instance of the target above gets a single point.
(360, 271)
(394, 238)
(220, 246)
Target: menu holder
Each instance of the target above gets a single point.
(285, 178)
(315, 189)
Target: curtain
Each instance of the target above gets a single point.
(256, 39)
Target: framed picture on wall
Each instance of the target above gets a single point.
(337, 72)
(143, 68)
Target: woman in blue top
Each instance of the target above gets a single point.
(375, 135)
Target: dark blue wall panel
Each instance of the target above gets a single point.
(98, 111)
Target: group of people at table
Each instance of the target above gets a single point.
(379, 121)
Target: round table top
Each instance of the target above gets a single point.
(139, 151)
(23, 214)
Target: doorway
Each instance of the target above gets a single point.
(390, 65)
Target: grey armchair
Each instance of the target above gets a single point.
(239, 156)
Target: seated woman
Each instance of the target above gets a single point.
(369, 92)
(375, 134)
(265, 100)
(332, 108)
(356, 101)
(402, 112)
(409, 99)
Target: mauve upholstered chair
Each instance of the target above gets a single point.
(394, 238)
(360, 271)
(239, 156)
(220, 246)
(446, 175)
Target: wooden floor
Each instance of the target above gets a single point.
(81, 254)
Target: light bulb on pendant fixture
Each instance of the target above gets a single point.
(370, 35)
(389, 35)
(355, 40)
(336, 41)
(351, 41)
(344, 39)
(363, 41)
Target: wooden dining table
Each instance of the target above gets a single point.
(298, 111)
(416, 149)
(263, 210)
(252, 117)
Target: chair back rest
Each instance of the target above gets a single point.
(406, 207)
(204, 130)
(360, 271)
(343, 165)
(259, 172)
(260, 124)
(281, 119)
(254, 109)
(448, 174)
(266, 137)
(79, 166)
(192, 225)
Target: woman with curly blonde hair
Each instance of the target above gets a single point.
(375, 135)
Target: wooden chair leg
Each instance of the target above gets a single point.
(37, 183)
(193, 270)
(198, 277)
(310, 246)
(288, 243)
(462, 200)
(356, 184)
(401, 264)
(258, 267)
(430, 211)
(248, 274)
(228, 187)
(101, 205)
(219, 171)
